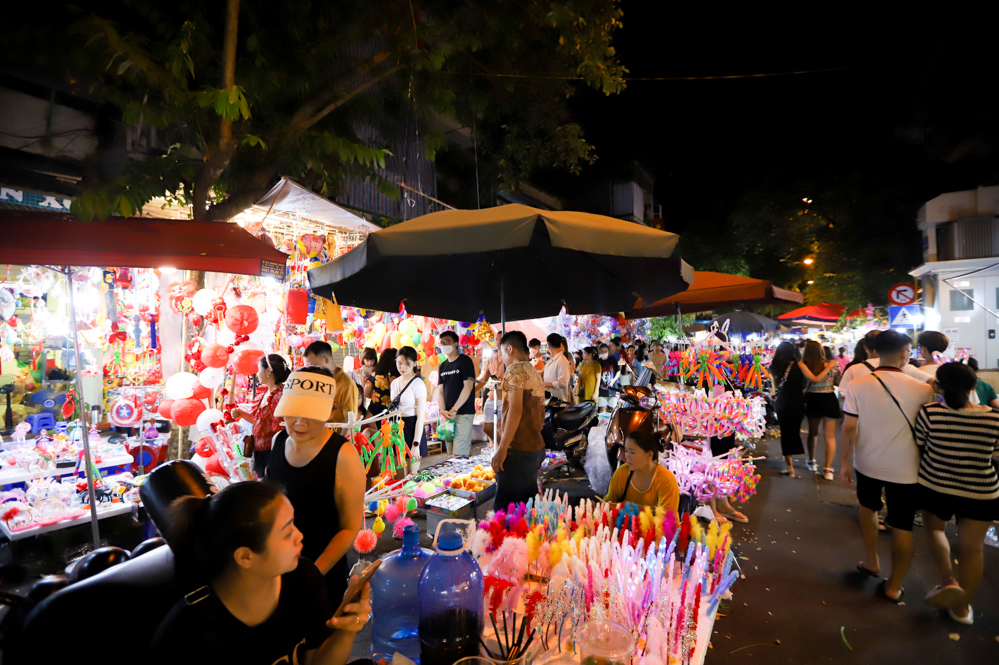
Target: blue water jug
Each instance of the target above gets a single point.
(395, 602)
(451, 588)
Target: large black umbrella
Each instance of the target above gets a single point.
(511, 262)
(744, 323)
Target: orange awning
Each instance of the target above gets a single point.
(824, 313)
(717, 290)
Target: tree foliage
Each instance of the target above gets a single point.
(860, 235)
(320, 89)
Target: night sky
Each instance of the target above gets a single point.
(707, 141)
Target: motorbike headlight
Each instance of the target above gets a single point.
(647, 402)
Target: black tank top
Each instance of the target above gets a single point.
(311, 491)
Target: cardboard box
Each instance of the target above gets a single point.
(487, 493)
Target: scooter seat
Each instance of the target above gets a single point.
(572, 417)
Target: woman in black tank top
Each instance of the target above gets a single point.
(321, 474)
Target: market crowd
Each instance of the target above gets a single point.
(920, 441)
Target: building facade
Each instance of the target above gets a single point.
(960, 273)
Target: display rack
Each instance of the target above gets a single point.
(13, 476)
(119, 509)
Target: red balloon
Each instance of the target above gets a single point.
(242, 319)
(201, 392)
(185, 412)
(247, 361)
(165, 408)
(203, 448)
(214, 467)
(215, 355)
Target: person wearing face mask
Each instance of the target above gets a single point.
(411, 393)
(323, 478)
(609, 371)
(521, 449)
(254, 598)
(536, 359)
(456, 383)
(272, 373)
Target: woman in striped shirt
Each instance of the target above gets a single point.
(957, 478)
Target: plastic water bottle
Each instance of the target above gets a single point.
(395, 603)
(451, 589)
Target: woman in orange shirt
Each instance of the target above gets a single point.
(642, 479)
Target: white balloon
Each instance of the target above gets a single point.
(180, 385)
(202, 301)
(212, 377)
(7, 304)
(207, 417)
(252, 346)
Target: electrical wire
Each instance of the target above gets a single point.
(661, 78)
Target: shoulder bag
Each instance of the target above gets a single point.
(394, 406)
(900, 409)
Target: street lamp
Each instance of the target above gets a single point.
(811, 281)
(808, 262)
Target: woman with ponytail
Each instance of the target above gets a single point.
(253, 598)
(957, 478)
(272, 373)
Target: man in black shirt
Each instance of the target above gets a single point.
(454, 393)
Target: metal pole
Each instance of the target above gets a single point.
(83, 414)
(502, 304)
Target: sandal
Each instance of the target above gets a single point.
(737, 517)
(945, 597)
(721, 519)
(883, 592)
(866, 571)
(788, 472)
(966, 620)
(827, 473)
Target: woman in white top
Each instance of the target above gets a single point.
(411, 392)
(558, 371)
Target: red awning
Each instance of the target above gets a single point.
(823, 313)
(717, 291)
(45, 238)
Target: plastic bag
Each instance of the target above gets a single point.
(596, 464)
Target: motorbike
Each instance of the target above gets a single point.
(568, 428)
(639, 410)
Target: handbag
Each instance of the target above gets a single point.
(249, 445)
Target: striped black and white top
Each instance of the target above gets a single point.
(957, 451)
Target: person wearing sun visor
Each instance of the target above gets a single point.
(323, 478)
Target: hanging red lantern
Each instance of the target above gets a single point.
(214, 467)
(247, 361)
(185, 412)
(201, 392)
(242, 319)
(203, 448)
(296, 307)
(215, 355)
(164, 408)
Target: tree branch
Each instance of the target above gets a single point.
(350, 95)
(217, 158)
(328, 94)
(249, 192)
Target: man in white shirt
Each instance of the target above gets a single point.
(880, 411)
(930, 342)
(860, 369)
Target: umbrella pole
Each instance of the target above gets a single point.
(83, 415)
(502, 306)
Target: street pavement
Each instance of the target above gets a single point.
(803, 602)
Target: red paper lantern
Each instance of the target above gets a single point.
(247, 361)
(201, 392)
(214, 467)
(242, 319)
(185, 412)
(296, 307)
(215, 355)
(165, 408)
(203, 448)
